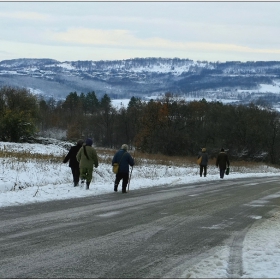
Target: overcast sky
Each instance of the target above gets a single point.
(70, 31)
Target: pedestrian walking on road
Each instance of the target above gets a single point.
(222, 162)
(73, 163)
(87, 158)
(204, 162)
(124, 159)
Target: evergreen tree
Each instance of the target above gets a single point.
(19, 114)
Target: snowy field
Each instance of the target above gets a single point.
(29, 180)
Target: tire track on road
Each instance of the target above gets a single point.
(235, 263)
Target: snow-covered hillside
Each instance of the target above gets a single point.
(26, 168)
(241, 82)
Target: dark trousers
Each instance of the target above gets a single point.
(76, 175)
(222, 173)
(203, 168)
(124, 178)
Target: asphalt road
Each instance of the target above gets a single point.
(156, 232)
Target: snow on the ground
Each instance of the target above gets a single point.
(264, 88)
(119, 103)
(30, 180)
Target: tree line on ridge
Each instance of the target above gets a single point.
(166, 126)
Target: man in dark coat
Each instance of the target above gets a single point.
(204, 162)
(124, 159)
(73, 163)
(222, 162)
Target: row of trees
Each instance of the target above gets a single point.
(168, 126)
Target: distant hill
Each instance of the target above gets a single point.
(143, 77)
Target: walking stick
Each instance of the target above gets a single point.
(129, 179)
(130, 173)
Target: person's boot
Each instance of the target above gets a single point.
(87, 186)
(115, 188)
(76, 184)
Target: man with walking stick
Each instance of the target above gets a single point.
(124, 160)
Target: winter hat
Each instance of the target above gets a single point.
(88, 142)
(203, 149)
(124, 147)
(80, 142)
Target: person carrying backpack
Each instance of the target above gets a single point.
(87, 157)
(124, 159)
(204, 162)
